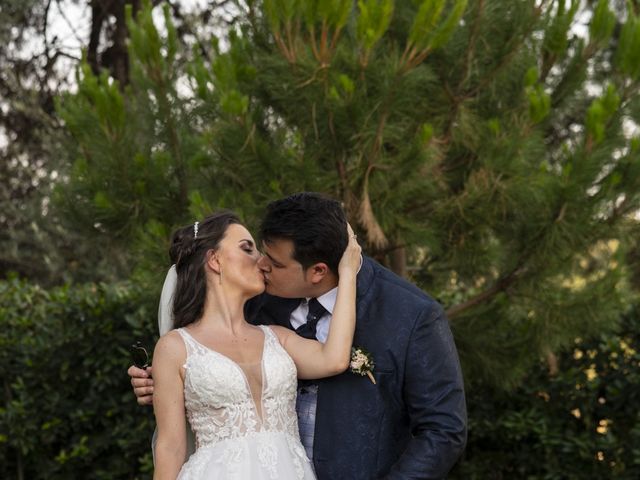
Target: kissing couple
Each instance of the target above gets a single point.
(305, 361)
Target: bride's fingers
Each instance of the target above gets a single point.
(351, 256)
(353, 238)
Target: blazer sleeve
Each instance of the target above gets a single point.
(434, 398)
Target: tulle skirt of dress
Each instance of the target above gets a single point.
(258, 456)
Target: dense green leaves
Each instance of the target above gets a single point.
(600, 113)
(68, 411)
(582, 423)
(628, 53)
(373, 21)
(602, 24)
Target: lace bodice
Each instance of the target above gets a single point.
(218, 398)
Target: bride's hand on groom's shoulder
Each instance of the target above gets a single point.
(352, 255)
(142, 384)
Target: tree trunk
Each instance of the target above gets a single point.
(116, 57)
(398, 261)
(98, 15)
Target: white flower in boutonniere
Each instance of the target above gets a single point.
(362, 363)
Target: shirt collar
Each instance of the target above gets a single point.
(328, 300)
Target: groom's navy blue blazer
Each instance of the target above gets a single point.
(412, 423)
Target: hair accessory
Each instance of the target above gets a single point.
(195, 230)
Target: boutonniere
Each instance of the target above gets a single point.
(362, 363)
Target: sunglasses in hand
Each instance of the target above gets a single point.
(139, 355)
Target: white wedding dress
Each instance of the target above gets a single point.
(243, 416)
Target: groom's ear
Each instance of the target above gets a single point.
(317, 272)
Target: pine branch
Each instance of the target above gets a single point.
(508, 280)
(624, 208)
(509, 57)
(501, 285)
(473, 38)
(290, 42)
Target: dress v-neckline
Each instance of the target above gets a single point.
(242, 372)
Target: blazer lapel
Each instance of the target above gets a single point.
(277, 311)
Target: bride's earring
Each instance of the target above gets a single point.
(220, 275)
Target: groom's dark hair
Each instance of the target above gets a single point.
(315, 223)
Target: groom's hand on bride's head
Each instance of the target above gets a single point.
(142, 384)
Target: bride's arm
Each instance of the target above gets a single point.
(168, 406)
(314, 359)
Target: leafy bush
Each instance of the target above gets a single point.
(68, 410)
(583, 423)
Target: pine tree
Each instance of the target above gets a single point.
(486, 149)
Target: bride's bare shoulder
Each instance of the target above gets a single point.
(170, 346)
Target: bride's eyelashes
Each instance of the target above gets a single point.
(247, 246)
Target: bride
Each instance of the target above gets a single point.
(236, 382)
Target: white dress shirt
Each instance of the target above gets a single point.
(328, 301)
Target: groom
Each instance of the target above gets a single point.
(410, 424)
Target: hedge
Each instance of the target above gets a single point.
(68, 411)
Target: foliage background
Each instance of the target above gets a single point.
(67, 411)
(486, 150)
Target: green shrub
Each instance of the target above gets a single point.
(582, 423)
(68, 411)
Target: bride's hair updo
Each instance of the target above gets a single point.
(189, 254)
